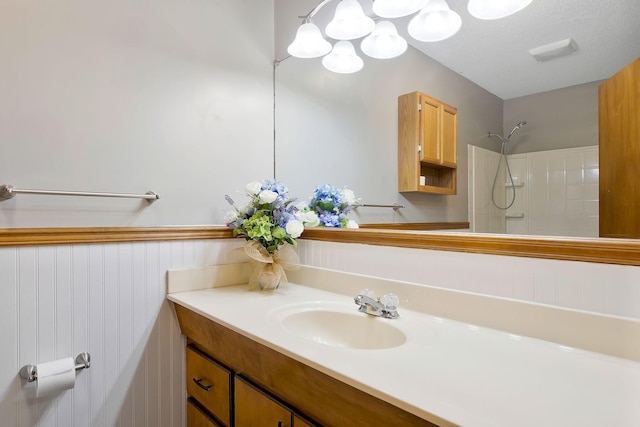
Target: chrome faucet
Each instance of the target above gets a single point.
(386, 306)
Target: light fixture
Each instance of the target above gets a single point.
(397, 8)
(554, 50)
(495, 9)
(384, 42)
(435, 22)
(349, 22)
(343, 59)
(309, 42)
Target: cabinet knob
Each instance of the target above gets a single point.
(202, 386)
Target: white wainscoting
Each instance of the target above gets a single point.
(108, 300)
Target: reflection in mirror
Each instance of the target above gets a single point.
(342, 130)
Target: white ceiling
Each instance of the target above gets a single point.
(494, 54)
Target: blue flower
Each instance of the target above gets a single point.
(332, 205)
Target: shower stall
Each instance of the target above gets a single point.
(553, 192)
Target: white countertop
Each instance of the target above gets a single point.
(447, 372)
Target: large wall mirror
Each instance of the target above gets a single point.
(341, 129)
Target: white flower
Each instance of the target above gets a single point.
(254, 188)
(267, 196)
(244, 209)
(230, 216)
(349, 197)
(352, 224)
(310, 219)
(294, 228)
(302, 205)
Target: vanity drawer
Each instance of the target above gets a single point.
(197, 418)
(209, 384)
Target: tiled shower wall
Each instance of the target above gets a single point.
(598, 288)
(108, 300)
(559, 195)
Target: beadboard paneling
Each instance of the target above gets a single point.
(106, 299)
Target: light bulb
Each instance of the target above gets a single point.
(309, 42)
(397, 8)
(495, 9)
(384, 42)
(349, 22)
(343, 59)
(435, 22)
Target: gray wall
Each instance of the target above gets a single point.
(126, 96)
(563, 118)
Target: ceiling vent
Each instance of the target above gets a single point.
(554, 50)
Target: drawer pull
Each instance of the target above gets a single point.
(202, 386)
(279, 423)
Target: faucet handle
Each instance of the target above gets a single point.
(368, 293)
(390, 301)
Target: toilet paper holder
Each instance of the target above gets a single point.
(30, 372)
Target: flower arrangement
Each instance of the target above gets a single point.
(270, 223)
(332, 205)
(271, 218)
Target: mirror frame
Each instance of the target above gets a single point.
(600, 250)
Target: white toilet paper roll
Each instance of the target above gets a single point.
(55, 376)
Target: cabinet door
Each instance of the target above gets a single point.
(449, 136)
(619, 136)
(253, 408)
(429, 130)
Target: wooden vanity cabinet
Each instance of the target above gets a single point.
(427, 144)
(263, 377)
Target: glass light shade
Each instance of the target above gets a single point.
(309, 42)
(435, 22)
(349, 22)
(397, 8)
(495, 9)
(343, 59)
(384, 42)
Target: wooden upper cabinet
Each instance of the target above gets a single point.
(427, 144)
(619, 152)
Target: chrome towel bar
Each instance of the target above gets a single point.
(8, 191)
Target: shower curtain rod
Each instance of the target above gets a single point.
(8, 191)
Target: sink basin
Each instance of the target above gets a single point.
(335, 325)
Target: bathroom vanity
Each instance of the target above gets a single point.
(304, 356)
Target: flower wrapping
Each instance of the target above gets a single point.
(268, 270)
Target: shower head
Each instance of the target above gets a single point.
(516, 127)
